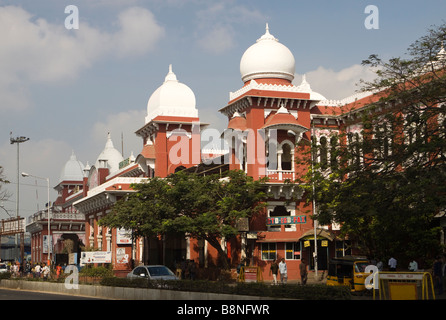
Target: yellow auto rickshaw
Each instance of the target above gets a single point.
(348, 271)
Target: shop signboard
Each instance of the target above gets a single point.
(123, 236)
(95, 257)
(277, 221)
(251, 274)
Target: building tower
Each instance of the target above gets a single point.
(172, 128)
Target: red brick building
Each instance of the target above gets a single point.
(270, 122)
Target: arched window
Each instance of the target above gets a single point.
(323, 152)
(333, 152)
(286, 157)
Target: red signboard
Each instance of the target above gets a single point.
(274, 221)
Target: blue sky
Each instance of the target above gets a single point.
(66, 89)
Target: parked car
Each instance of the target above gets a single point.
(3, 267)
(152, 272)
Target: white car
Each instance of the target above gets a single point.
(152, 272)
(3, 267)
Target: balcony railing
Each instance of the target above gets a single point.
(43, 215)
(280, 175)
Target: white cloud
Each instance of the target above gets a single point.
(335, 85)
(36, 50)
(218, 40)
(138, 34)
(40, 158)
(215, 23)
(125, 123)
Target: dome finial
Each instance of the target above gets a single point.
(170, 76)
(267, 35)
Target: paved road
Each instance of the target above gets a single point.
(10, 294)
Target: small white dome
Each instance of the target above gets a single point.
(111, 155)
(267, 58)
(73, 170)
(172, 98)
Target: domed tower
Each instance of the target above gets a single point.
(70, 180)
(110, 157)
(268, 61)
(276, 112)
(171, 134)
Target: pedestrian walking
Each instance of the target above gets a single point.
(274, 269)
(303, 272)
(392, 264)
(37, 270)
(283, 271)
(438, 275)
(413, 266)
(45, 272)
(379, 265)
(58, 270)
(192, 269)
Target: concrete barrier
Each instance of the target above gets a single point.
(119, 293)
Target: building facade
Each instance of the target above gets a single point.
(64, 232)
(270, 122)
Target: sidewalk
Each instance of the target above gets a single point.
(320, 279)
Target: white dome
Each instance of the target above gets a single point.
(73, 170)
(172, 98)
(111, 155)
(267, 58)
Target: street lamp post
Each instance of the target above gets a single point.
(18, 141)
(49, 227)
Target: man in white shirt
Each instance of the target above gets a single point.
(283, 271)
(392, 264)
(45, 271)
(413, 266)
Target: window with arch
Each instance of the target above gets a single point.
(323, 152)
(334, 141)
(286, 157)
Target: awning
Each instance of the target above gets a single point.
(320, 234)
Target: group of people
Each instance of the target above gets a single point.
(280, 269)
(186, 269)
(33, 270)
(40, 271)
(438, 270)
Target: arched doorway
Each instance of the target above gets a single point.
(68, 243)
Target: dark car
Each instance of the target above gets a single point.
(152, 272)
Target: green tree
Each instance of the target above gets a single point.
(209, 207)
(146, 211)
(203, 207)
(387, 184)
(4, 195)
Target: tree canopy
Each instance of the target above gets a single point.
(385, 185)
(203, 207)
(3, 193)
